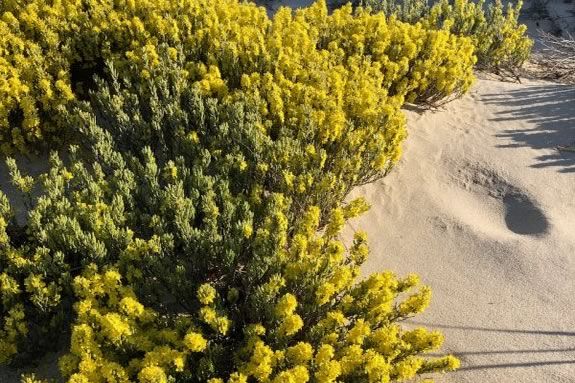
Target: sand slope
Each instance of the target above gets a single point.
(483, 207)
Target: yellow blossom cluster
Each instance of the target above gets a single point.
(304, 68)
(109, 316)
(500, 41)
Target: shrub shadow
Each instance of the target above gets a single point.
(552, 109)
(536, 353)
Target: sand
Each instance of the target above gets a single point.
(482, 206)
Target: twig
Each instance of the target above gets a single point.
(558, 56)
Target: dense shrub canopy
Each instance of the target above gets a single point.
(212, 271)
(51, 50)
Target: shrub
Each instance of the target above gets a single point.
(194, 228)
(424, 66)
(51, 50)
(500, 42)
(189, 252)
(291, 300)
(307, 322)
(203, 193)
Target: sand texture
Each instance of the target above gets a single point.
(482, 206)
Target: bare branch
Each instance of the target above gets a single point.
(557, 56)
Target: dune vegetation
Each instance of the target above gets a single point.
(202, 152)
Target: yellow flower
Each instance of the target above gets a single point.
(206, 294)
(336, 222)
(260, 365)
(298, 374)
(324, 293)
(114, 327)
(286, 305)
(65, 90)
(195, 342)
(208, 314)
(236, 377)
(193, 137)
(173, 53)
(416, 303)
(243, 165)
(152, 374)
(289, 178)
(328, 372)
(408, 368)
(421, 339)
(446, 363)
(301, 353)
(247, 230)
(376, 367)
(358, 332)
(78, 378)
(222, 325)
(131, 307)
(254, 329)
(291, 324)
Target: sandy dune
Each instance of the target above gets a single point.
(482, 206)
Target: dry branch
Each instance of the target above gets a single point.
(557, 56)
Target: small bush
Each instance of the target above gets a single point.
(500, 42)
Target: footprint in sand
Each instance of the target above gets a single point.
(523, 217)
(486, 201)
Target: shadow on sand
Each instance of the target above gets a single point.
(552, 109)
(570, 351)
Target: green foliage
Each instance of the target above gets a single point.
(410, 11)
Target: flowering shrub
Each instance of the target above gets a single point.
(500, 42)
(189, 264)
(332, 330)
(192, 234)
(298, 61)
